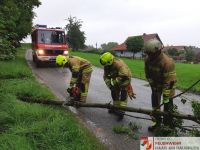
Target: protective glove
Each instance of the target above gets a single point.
(165, 100)
(130, 92)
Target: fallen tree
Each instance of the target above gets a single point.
(109, 106)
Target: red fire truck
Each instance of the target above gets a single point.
(47, 43)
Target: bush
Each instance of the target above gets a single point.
(7, 51)
(196, 108)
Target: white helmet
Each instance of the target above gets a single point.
(152, 46)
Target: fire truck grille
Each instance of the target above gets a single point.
(54, 52)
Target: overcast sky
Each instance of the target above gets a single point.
(177, 22)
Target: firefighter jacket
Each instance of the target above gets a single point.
(117, 74)
(161, 74)
(78, 66)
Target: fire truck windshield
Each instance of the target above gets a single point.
(51, 37)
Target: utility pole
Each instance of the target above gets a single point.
(96, 45)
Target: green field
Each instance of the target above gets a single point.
(186, 73)
(25, 126)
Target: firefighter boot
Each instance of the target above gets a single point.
(111, 111)
(120, 115)
(155, 125)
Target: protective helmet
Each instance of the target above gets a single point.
(106, 59)
(62, 60)
(152, 46)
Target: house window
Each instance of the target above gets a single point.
(122, 52)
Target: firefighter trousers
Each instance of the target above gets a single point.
(119, 96)
(84, 83)
(168, 107)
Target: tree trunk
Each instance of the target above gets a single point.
(109, 106)
(133, 55)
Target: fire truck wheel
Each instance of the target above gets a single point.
(33, 58)
(37, 62)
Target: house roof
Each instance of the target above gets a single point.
(120, 47)
(178, 48)
(146, 37)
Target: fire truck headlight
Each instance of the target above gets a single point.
(65, 52)
(40, 51)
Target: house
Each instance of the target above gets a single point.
(178, 48)
(121, 50)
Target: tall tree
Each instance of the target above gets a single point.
(108, 46)
(24, 21)
(189, 54)
(15, 24)
(134, 44)
(75, 37)
(172, 52)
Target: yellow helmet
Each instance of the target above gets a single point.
(152, 46)
(62, 60)
(106, 59)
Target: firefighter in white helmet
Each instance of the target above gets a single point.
(161, 75)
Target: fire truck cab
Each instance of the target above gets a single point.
(47, 43)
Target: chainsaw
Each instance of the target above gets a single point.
(74, 93)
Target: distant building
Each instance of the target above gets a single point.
(121, 50)
(178, 48)
(196, 50)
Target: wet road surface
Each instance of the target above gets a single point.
(99, 121)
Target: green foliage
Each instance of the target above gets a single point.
(196, 108)
(123, 129)
(166, 131)
(135, 44)
(194, 133)
(172, 52)
(15, 24)
(108, 46)
(75, 37)
(175, 126)
(189, 55)
(7, 51)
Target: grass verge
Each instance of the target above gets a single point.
(25, 126)
(186, 73)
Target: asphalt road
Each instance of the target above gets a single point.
(98, 120)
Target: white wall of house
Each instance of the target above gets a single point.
(128, 54)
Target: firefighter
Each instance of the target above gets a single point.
(81, 70)
(117, 77)
(161, 75)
